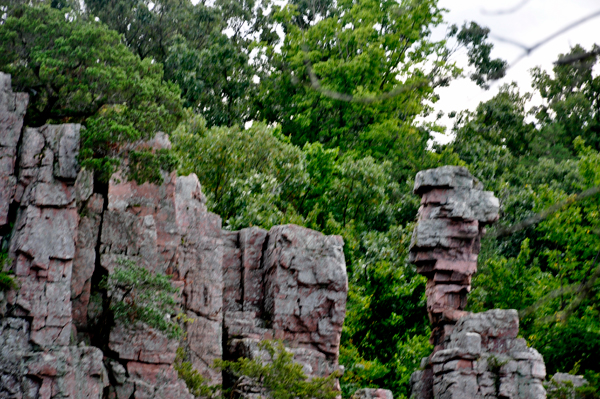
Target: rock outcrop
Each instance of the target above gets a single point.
(567, 386)
(65, 233)
(475, 355)
(38, 195)
(288, 283)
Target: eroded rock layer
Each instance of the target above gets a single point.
(288, 283)
(475, 355)
(65, 233)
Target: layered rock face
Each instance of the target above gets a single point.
(65, 233)
(39, 196)
(288, 283)
(475, 355)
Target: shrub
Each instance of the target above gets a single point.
(7, 282)
(195, 382)
(281, 377)
(138, 295)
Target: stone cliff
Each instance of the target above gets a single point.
(65, 233)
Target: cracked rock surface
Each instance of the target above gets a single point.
(476, 356)
(65, 233)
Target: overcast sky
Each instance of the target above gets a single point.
(534, 21)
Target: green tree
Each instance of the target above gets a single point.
(211, 68)
(77, 70)
(362, 50)
(571, 105)
(549, 270)
(250, 177)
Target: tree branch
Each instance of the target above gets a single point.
(316, 85)
(530, 49)
(504, 231)
(570, 59)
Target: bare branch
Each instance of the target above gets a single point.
(569, 59)
(547, 298)
(530, 49)
(315, 84)
(504, 231)
(507, 10)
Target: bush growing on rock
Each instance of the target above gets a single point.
(277, 375)
(7, 282)
(138, 295)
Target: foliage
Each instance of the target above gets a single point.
(77, 70)
(211, 68)
(138, 295)
(473, 37)
(250, 177)
(547, 271)
(146, 166)
(280, 375)
(570, 96)
(362, 49)
(386, 330)
(7, 281)
(195, 382)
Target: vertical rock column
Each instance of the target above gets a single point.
(165, 229)
(446, 240)
(477, 355)
(12, 111)
(38, 174)
(287, 283)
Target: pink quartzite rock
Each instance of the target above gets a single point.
(288, 283)
(142, 343)
(476, 355)
(140, 224)
(155, 381)
(167, 229)
(305, 287)
(199, 263)
(36, 360)
(45, 233)
(446, 240)
(12, 112)
(371, 393)
(85, 258)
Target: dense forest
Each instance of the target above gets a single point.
(308, 114)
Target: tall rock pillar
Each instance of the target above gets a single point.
(446, 241)
(475, 355)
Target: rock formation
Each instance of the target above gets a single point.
(372, 393)
(568, 386)
(38, 196)
(288, 283)
(65, 233)
(475, 355)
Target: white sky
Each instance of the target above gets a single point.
(533, 22)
